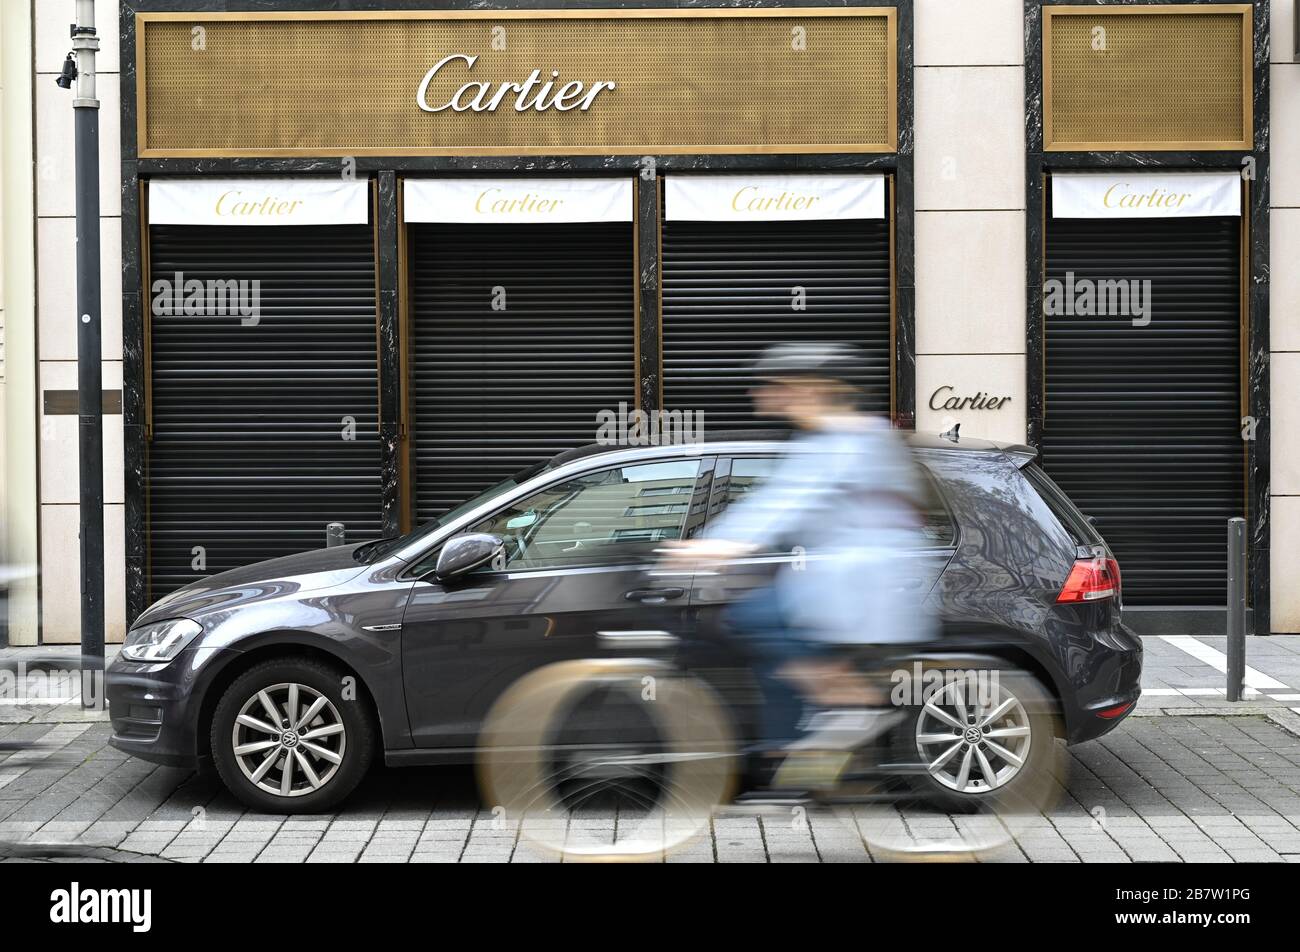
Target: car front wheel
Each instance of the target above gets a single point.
(285, 739)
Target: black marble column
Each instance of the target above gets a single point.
(390, 366)
(648, 382)
(905, 231)
(134, 362)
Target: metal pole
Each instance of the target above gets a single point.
(90, 448)
(335, 534)
(1236, 607)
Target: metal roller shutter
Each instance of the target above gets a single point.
(1143, 424)
(249, 457)
(728, 288)
(495, 390)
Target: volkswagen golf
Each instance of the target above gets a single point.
(292, 675)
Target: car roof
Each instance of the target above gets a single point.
(719, 442)
(749, 441)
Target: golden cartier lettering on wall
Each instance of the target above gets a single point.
(642, 81)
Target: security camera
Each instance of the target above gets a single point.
(69, 73)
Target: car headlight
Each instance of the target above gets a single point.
(162, 641)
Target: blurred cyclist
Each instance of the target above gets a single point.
(846, 496)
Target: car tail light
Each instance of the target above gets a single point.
(1095, 576)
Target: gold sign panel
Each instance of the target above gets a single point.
(517, 82)
(1173, 76)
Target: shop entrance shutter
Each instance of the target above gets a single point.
(264, 433)
(727, 293)
(521, 334)
(1143, 424)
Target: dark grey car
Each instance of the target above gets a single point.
(293, 674)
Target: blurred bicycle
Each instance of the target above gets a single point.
(630, 756)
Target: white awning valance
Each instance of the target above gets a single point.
(258, 201)
(738, 197)
(1145, 194)
(516, 201)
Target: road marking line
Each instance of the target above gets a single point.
(1219, 661)
(1211, 692)
(1285, 697)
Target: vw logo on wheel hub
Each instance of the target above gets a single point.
(973, 735)
(289, 739)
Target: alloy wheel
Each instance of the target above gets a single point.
(289, 739)
(973, 734)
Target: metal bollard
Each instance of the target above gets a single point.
(1236, 607)
(334, 534)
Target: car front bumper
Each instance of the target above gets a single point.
(156, 709)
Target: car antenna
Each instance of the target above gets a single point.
(952, 434)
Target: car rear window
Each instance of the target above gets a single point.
(1076, 523)
(938, 528)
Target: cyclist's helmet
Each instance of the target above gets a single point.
(841, 362)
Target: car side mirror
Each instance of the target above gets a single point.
(463, 554)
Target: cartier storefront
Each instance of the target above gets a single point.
(1147, 190)
(376, 260)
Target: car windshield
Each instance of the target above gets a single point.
(378, 550)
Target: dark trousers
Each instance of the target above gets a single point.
(759, 626)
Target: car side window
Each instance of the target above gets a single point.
(747, 473)
(610, 517)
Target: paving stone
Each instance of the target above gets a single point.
(1202, 788)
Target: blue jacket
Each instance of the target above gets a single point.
(847, 500)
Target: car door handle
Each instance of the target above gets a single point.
(654, 595)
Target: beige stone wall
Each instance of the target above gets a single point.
(18, 495)
(970, 213)
(56, 317)
(1284, 321)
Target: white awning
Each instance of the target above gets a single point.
(741, 197)
(258, 201)
(1145, 194)
(515, 201)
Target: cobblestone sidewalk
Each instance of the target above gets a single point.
(1160, 788)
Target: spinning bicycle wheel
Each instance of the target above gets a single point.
(573, 745)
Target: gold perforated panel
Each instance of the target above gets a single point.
(1147, 77)
(813, 80)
